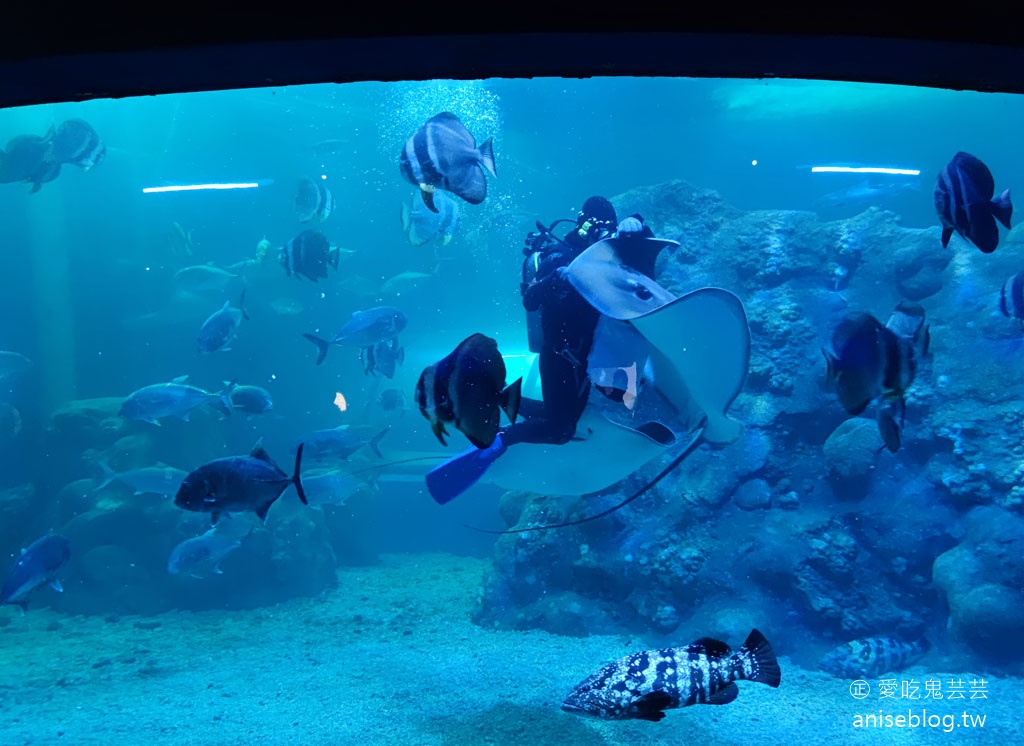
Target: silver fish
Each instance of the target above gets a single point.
(149, 480)
(221, 327)
(37, 566)
(174, 399)
(202, 555)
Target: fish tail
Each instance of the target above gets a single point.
(486, 151)
(1002, 208)
(108, 475)
(764, 663)
(297, 476)
(375, 441)
(223, 398)
(321, 346)
(832, 372)
(511, 398)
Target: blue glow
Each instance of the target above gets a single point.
(199, 187)
(864, 170)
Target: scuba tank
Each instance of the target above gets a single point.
(538, 244)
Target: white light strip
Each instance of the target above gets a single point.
(198, 187)
(864, 170)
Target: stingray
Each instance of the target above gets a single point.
(699, 349)
(611, 276)
(694, 351)
(688, 357)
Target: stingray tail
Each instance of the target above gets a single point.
(511, 397)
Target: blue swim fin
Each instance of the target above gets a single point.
(459, 473)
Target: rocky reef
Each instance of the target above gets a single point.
(807, 518)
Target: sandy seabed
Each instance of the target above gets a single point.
(391, 656)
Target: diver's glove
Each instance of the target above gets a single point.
(634, 227)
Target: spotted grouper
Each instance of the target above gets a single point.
(645, 684)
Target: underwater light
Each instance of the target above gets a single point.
(864, 170)
(200, 187)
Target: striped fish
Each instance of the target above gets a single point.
(313, 200)
(76, 142)
(309, 254)
(643, 685)
(442, 154)
(964, 200)
(1011, 297)
(871, 657)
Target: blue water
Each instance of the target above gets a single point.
(86, 268)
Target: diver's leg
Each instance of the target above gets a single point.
(565, 389)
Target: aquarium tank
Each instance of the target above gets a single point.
(645, 409)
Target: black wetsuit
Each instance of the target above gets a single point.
(568, 322)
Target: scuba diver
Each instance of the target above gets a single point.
(561, 325)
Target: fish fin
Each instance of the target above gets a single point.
(428, 197)
(222, 399)
(322, 346)
(108, 475)
(439, 430)
(723, 696)
(984, 232)
(832, 362)
(511, 396)
(400, 356)
(652, 706)
(888, 429)
(262, 511)
(214, 517)
(1002, 208)
(712, 647)
(766, 665)
(241, 305)
(332, 256)
(375, 441)
(406, 217)
(180, 379)
(259, 452)
(55, 584)
(486, 151)
(297, 475)
(36, 186)
(947, 233)
(23, 605)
